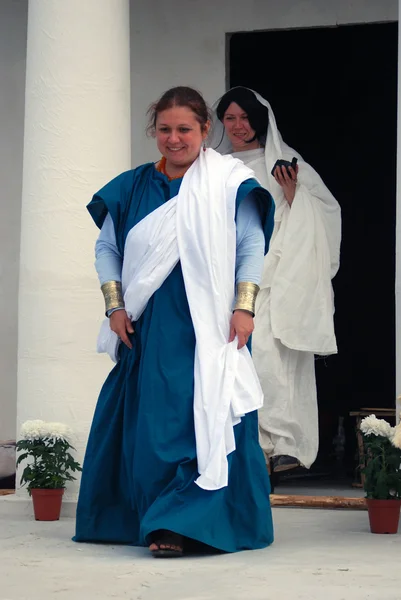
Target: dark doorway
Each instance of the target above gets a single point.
(334, 94)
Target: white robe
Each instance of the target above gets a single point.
(295, 307)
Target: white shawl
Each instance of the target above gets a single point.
(197, 227)
(304, 249)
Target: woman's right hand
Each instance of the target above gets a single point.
(122, 326)
(287, 182)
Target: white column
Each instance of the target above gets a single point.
(77, 137)
(398, 235)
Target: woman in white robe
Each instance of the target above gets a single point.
(295, 307)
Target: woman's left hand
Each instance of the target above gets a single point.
(289, 184)
(241, 326)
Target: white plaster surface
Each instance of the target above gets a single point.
(317, 555)
(77, 138)
(13, 17)
(7, 459)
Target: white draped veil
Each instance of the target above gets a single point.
(276, 148)
(295, 307)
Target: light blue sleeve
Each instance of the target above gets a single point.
(108, 259)
(250, 242)
(250, 247)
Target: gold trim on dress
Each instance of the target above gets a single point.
(246, 296)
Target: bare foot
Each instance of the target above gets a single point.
(168, 542)
(168, 546)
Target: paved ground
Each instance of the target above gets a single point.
(322, 555)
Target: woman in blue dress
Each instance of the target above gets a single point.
(161, 468)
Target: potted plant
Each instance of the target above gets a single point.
(46, 447)
(382, 471)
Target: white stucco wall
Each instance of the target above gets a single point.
(77, 135)
(13, 20)
(186, 45)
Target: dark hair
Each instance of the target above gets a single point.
(258, 115)
(179, 96)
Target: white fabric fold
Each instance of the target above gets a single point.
(150, 254)
(197, 227)
(302, 303)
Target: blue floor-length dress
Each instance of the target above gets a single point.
(140, 463)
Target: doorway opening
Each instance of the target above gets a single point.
(334, 94)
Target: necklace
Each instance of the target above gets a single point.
(161, 167)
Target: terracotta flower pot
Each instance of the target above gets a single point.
(47, 504)
(384, 515)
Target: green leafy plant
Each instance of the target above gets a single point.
(382, 468)
(46, 447)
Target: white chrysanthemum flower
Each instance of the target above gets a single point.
(373, 426)
(33, 430)
(58, 431)
(397, 437)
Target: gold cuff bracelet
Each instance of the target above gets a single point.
(113, 295)
(246, 296)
